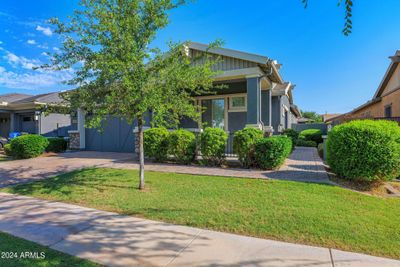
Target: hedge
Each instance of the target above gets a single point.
(212, 146)
(292, 134)
(311, 135)
(155, 144)
(56, 144)
(7, 150)
(303, 142)
(270, 153)
(182, 145)
(28, 146)
(365, 150)
(243, 145)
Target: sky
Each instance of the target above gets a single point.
(332, 73)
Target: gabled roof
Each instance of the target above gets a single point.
(229, 53)
(392, 67)
(8, 98)
(264, 62)
(16, 100)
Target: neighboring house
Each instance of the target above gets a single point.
(255, 95)
(22, 113)
(385, 103)
(326, 117)
(304, 120)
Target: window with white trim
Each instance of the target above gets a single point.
(237, 103)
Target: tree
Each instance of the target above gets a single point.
(312, 115)
(118, 74)
(348, 23)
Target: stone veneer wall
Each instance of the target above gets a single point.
(74, 140)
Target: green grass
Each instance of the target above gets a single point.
(14, 246)
(308, 213)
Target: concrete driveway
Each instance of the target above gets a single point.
(22, 171)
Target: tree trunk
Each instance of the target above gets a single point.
(141, 154)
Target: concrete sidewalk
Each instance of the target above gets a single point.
(116, 240)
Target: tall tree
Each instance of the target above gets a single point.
(108, 42)
(312, 115)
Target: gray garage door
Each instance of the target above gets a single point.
(117, 136)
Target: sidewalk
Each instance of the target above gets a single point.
(116, 240)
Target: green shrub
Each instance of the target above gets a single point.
(312, 135)
(243, 145)
(292, 134)
(321, 150)
(56, 144)
(212, 146)
(182, 145)
(7, 150)
(365, 150)
(155, 144)
(270, 153)
(303, 142)
(28, 146)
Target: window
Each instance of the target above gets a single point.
(218, 113)
(388, 111)
(237, 103)
(27, 119)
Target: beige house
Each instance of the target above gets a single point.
(385, 103)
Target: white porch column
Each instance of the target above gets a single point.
(81, 128)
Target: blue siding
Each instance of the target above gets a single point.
(253, 100)
(266, 107)
(116, 136)
(236, 121)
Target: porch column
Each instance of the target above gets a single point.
(81, 128)
(12, 122)
(254, 102)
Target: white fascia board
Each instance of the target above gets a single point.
(239, 73)
(229, 53)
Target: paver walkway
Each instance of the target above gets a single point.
(303, 165)
(116, 240)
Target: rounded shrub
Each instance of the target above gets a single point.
(155, 144)
(7, 150)
(271, 152)
(182, 145)
(303, 142)
(292, 134)
(56, 144)
(243, 145)
(28, 146)
(311, 135)
(365, 150)
(212, 146)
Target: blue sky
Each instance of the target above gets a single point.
(333, 73)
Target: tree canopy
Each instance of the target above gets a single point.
(118, 71)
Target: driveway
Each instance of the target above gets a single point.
(303, 165)
(28, 170)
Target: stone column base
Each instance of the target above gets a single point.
(74, 140)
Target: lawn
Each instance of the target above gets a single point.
(308, 213)
(11, 248)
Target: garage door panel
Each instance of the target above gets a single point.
(116, 136)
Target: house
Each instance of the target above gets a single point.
(22, 113)
(254, 95)
(326, 116)
(385, 104)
